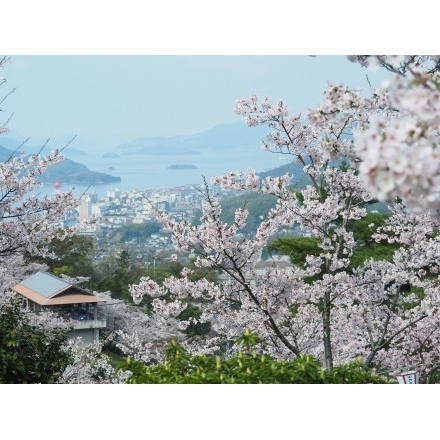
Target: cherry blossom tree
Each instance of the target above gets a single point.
(90, 366)
(384, 312)
(137, 333)
(28, 222)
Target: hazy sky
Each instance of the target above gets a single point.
(111, 99)
(106, 99)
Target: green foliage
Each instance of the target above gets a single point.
(73, 256)
(366, 247)
(63, 270)
(138, 232)
(258, 206)
(118, 281)
(116, 360)
(376, 251)
(28, 353)
(364, 228)
(249, 340)
(158, 272)
(297, 248)
(175, 268)
(194, 329)
(118, 274)
(161, 270)
(246, 368)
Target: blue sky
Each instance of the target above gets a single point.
(106, 100)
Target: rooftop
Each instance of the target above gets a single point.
(46, 289)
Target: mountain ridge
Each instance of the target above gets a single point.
(226, 136)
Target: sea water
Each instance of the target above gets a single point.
(148, 172)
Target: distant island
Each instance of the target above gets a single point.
(182, 167)
(75, 173)
(68, 172)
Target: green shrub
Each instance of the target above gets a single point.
(29, 353)
(246, 368)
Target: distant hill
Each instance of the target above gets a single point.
(4, 153)
(9, 143)
(225, 136)
(230, 136)
(296, 170)
(69, 172)
(72, 172)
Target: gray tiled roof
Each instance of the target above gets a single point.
(45, 284)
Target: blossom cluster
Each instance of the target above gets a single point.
(399, 149)
(28, 222)
(400, 158)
